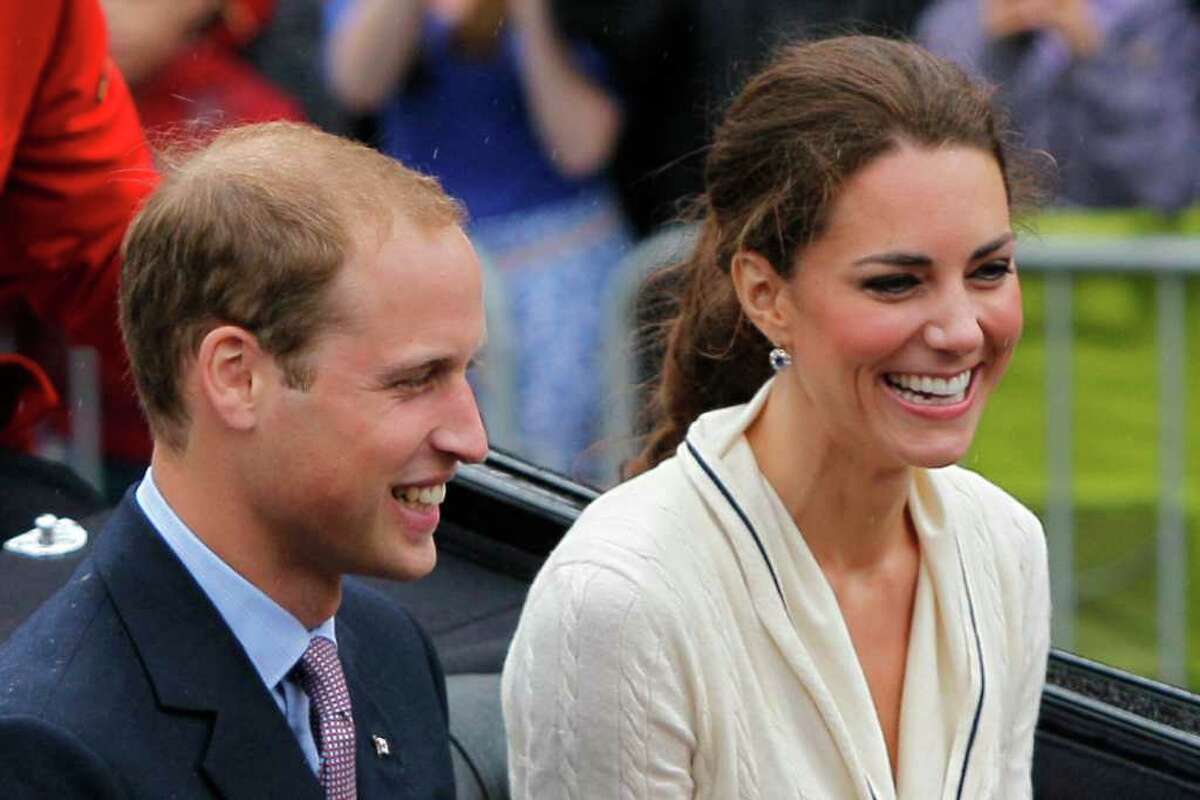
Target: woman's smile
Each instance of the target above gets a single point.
(932, 396)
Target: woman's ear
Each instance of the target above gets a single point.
(229, 366)
(763, 296)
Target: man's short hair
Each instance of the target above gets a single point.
(251, 231)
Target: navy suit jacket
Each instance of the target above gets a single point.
(128, 684)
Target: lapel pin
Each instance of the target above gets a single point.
(382, 748)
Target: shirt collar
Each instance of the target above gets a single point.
(272, 638)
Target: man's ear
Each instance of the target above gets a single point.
(762, 292)
(231, 374)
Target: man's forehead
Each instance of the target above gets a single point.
(371, 228)
(418, 353)
(398, 242)
(419, 282)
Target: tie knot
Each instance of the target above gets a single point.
(320, 675)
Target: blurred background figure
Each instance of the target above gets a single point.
(677, 62)
(1111, 88)
(519, 123)
(73, 167)
(287, 51)
(183, 62)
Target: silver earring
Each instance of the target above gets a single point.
(779, 359)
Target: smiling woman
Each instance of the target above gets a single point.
(799, 594)
(901, 317)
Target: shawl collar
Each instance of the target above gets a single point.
(195, 664)
(802, 615)
(946, 533)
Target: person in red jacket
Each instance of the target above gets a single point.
(184, 65)
(74, 166)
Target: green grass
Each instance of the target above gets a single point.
(1115, 457)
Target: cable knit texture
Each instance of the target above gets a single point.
(655, 658)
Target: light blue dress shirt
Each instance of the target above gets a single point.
(272, 638)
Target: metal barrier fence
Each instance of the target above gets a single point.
(1169, 259)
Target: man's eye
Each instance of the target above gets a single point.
(891, 284)
(994, 271)
(413, 382)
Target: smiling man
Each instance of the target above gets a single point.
(300, 313)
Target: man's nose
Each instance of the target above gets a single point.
(461, 433)
(954, 324)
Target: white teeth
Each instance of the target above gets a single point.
(930, 390)
(931, 399)
(421, 495)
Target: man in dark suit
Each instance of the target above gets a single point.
(300, 313)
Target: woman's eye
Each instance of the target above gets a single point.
(994, 270)
(891, 284)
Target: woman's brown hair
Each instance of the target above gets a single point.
(818, 113)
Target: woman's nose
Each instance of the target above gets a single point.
(954, 326)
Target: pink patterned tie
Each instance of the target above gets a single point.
(320, 675)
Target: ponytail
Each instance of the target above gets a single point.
(712, 356)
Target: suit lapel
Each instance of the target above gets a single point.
(195, 664)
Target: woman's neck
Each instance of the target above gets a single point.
(850, 509)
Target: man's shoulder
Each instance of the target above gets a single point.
(382, 635)
(39, 759)
(71, 689)
(369, 610)
(76, 629)
(78, 661)
(389, 658)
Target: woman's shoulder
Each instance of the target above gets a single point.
(647, 512)
(973, 489)
(643, 531)
(1002, 542)
(1004, 523)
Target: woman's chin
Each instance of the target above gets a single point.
(937, 462)
(936, 454)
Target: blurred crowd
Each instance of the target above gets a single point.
(569, 129)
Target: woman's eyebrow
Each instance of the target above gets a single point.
(992, 246)
(896, 258)
(899, 258)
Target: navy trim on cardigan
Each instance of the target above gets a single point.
(962, 778)
(741, 514)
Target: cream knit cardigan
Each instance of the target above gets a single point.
(682, 642)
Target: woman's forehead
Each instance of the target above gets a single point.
(915, 193)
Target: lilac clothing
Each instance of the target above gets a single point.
(1123, 124)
